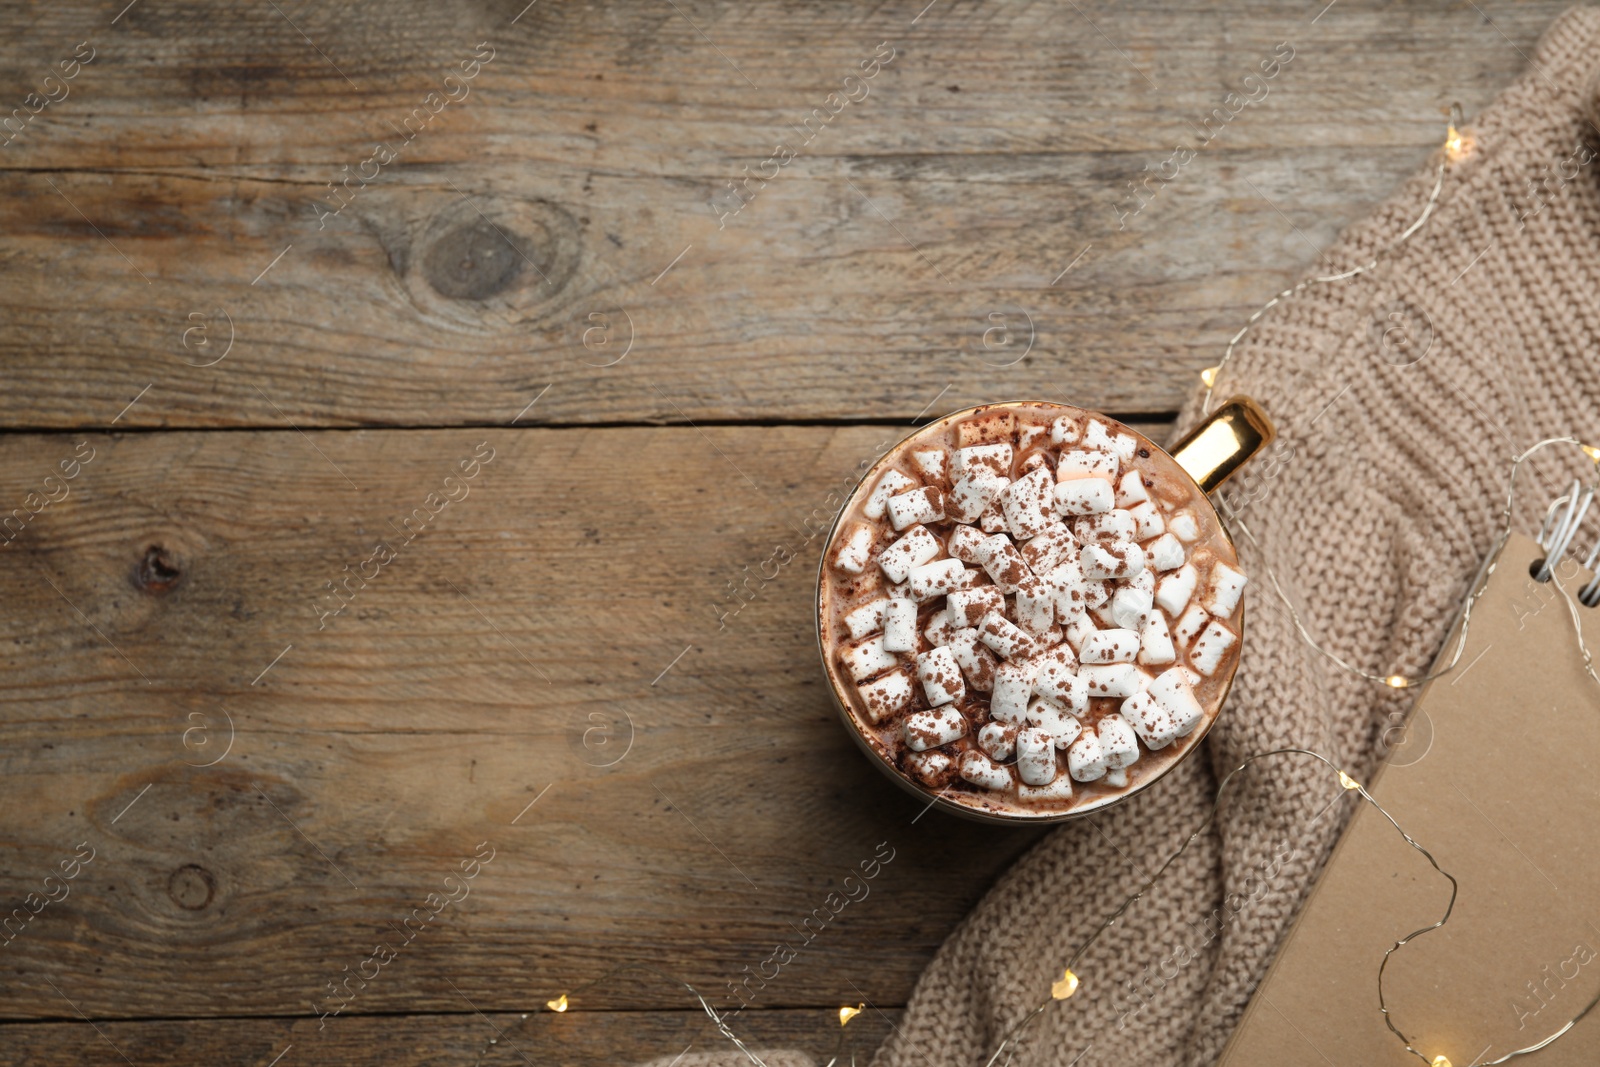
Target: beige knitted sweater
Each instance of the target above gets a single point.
(1400, 398)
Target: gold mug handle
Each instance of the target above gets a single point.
(1221, 444)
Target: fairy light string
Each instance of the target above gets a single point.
(1457, 144)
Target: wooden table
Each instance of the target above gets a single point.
(283, 283)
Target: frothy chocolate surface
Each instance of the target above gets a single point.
(1030, 609)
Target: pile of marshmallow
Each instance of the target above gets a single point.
(1058, 578)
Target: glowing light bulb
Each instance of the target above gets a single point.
(558, 1004)
(1441, 1060)
(1453, 145)
(1348, 782)
(847, 1013)
(1397, 681)
(1065, 986)
(1591, 451)
(1209, 376)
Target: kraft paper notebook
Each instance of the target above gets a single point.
(1512, 814)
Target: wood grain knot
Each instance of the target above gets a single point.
(475, 261)
(191, 887)
(158, 571)
(483, 261)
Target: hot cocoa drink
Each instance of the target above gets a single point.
(1029, 609)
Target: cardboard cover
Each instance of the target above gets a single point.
(1499, 777)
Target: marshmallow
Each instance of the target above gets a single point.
(998, 740)
(935, 579)
(1005, 637)
(930, 729)
(1096, 593)
(1155, 641)
(967, 607)
(1064, 430)
(931, 462)
(1085, 759)
(1031, 462)
(1097, 435)
(1048, 716)
(993, 519)
(1028, 433)
(1184, 526)
(977, 663)
(1153, 723)
(1223, 590)
(1060, 789)
(1036, 756)
(916, 547)
(900, 626)
(1057, 669)
(855, 549)
(1027, 503)
(1126, 446)
(941, 678)
(973, 492)
(1085, 496)
(1117, 779)
(1108, 646)
(1209, 648)
(1111, 679)
(933, 768)
(886, 697)
(1073, 464)
(1121, 559)
(982, 771)
(1117, 742)
(867, 619)
(969, 579)
(1046, 638)
(939, 632)
(1036, 609)
(1171, 691)
(1165, 553)
(1175, 589)
(985, 428)
(963, 543)
(1189, 624)
(1049, 548)
(891, 483)
(995, 457)
(1066, 581)
(1078, 628)
(1145, 514)
(867, 658)
(1131, 605)
(1131, 490)
(1013, 685)
(1114, 525)
(1003, 563)
(916, 505)
(1144, 581)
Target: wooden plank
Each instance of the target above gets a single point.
(561, 616)
(530, 231)
(576, 1039)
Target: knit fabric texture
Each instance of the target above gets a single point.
(1400, 398)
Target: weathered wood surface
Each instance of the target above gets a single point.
(519, 240)
(565, 608)
(576, 1039)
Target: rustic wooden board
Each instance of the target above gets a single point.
(524, 237)
(576, 1039)
(568, 601)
